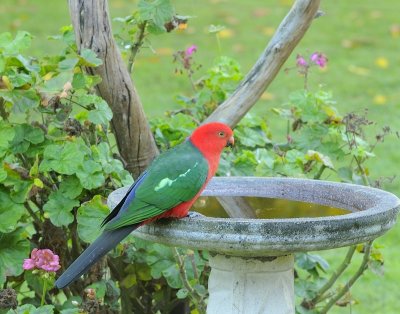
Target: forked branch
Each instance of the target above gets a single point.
(286, 38)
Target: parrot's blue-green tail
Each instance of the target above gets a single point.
(104, 243)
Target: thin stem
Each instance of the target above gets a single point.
(320, 171)
(3, 112)
(76, 244)
(361, 169)
(78, 104)
(198, 299)
(306, 79)
(218, 44)
(136, 45)
(339, 271)
(193, 262)
(33, 215)
(42, 301)
(349, 284)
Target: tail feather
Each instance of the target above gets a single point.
(104, 243)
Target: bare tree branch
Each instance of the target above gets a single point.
(287, 36)
(236, 207)
(135, 141)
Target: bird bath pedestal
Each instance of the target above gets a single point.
(252, 263)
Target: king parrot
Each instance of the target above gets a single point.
(167, 188)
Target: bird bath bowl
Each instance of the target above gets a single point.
(252, 260)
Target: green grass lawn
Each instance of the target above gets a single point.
(360, 38)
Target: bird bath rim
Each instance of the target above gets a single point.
(373, 213)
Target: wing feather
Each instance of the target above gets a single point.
(174, 177)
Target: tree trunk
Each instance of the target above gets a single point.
(129, 124)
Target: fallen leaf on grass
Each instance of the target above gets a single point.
(267, 96)
(380, 99)
(260, 12)
(395, 30)
(226, 33)
(164, 51)
(358, 70)
(269, 31)
(382, 62)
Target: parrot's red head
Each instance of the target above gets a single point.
(211, 139)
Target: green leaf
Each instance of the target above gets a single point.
(21, 42)
(103, 155)
(71, 311)
(157, 11)
(18, 79)
(62, 158)
(172, 275)
(25, 135)
(67, 36)
(14, 248)
(90, 215)
(7, 133)
(28, 63)
(102, 114)
(58, 208)
(31, 309)
(309, 261)
(215, 28)
(245, 163)
(129, 280)
(90, 174)
(100, 287)
(78, 81)
(316, 156)
(56, 83)
(70, 187)
(10, 212)
(89, 58)
(200, 289)
(182, 293)
(22, 100)
(3, 174)
(251, 137)
(68, 64)
(305, 288)
(376, 267)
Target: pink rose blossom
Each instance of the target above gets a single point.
(192, 49)
(42, 259)
(319, 59)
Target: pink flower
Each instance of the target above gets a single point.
(42, 259)
(301, 62)
(192, 49)
(319, 59)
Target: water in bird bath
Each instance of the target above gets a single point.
(268, 208)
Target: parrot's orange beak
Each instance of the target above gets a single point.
(230, 142)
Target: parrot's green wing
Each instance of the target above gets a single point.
(174, 177)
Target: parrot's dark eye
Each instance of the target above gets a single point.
(221, 134)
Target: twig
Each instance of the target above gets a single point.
(33, 215)
(339, 271)
(3, 112)
(362, 171)
(353, 279)
(136, 45)
(192, 292)
(319, 173)
(193, 262)
(76, 244)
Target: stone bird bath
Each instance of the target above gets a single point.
(252, 260)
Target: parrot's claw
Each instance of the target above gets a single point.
(194, 215)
